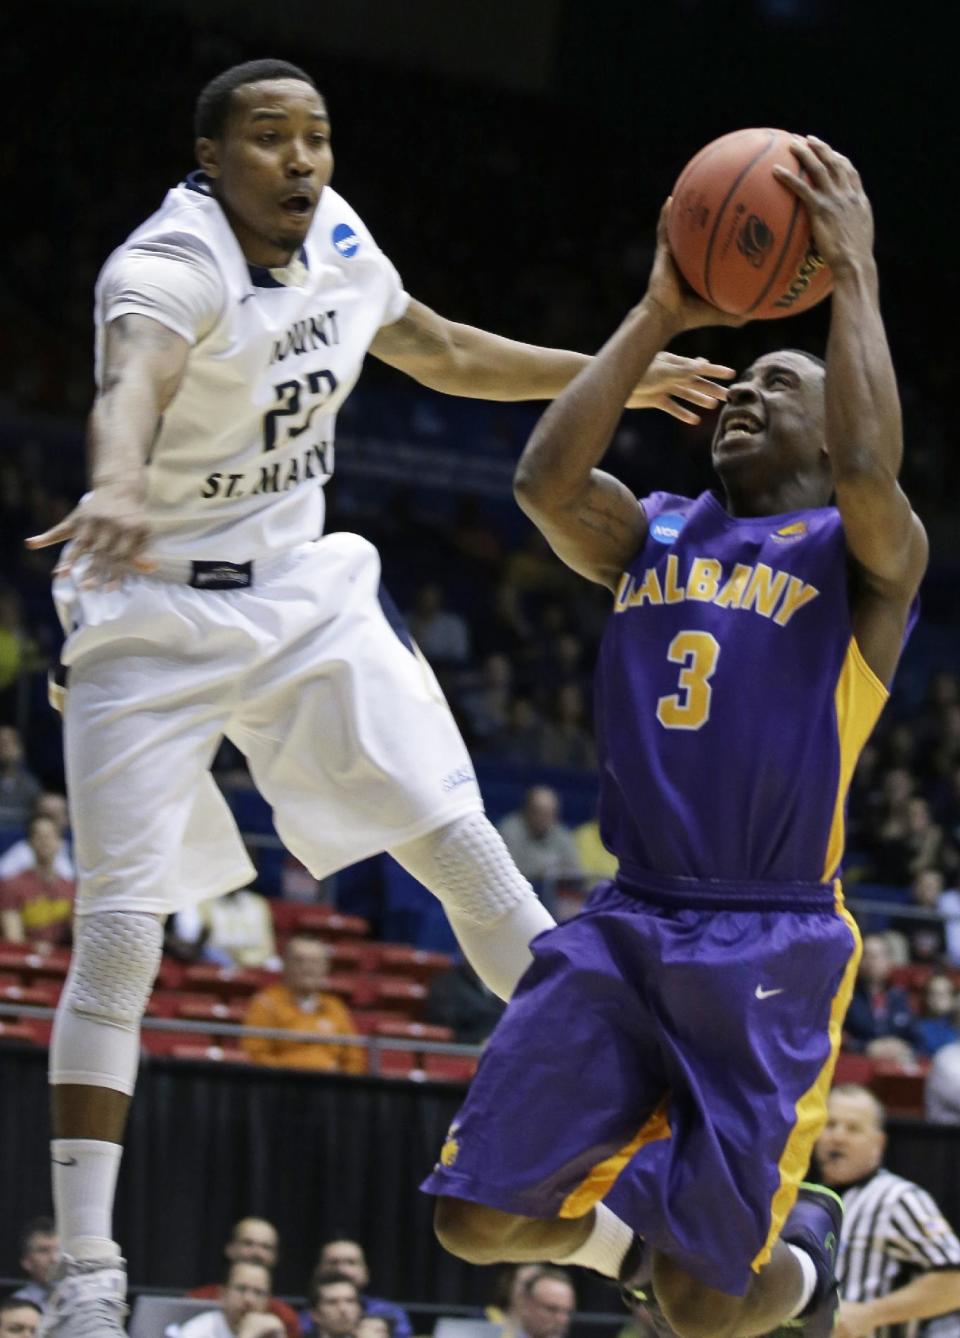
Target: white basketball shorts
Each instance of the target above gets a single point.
(343, 723)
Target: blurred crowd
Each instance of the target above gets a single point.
(340, 1301)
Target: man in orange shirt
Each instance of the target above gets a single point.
(299, 1004)
(37, 905)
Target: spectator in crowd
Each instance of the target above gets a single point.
(442, 635)
(506, 1291)
(459, 999)
(345, 1258)
(910, 841)
(941, 1092)
(235, 930)
(19, 787)
(937, 1027)
(544, 1305)
(926, 939)
(18, 1318)
(298, 1003)
(21, 856)
(566, 740)
(542, 847)
(595, 859)
(335, 1306)
(39, 1256)
(254, 1240)
(879, 1021)
(519, 742)
(898, 1261)
(37, 906)
(485, 704)
(243, 1312)
(18, 651)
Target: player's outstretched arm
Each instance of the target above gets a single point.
(143, 366)
(591, 521)
(462, 360)
(863, 422)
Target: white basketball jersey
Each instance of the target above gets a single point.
(241, 454)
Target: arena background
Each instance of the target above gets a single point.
(510, 158)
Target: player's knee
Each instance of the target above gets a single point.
(471, 1231)
(467, 865)
(116, 956)
(691, 1309)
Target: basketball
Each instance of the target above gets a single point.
(740, 237)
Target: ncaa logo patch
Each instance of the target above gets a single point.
(666, 528)
(345, 240)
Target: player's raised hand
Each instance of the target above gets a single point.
(840, 215)
(109, 528)
(669, 290)
(671, 377)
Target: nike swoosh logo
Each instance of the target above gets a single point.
(71, 1161)
(761, 993)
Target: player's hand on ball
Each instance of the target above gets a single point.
(671, 377)
(669, 290)
(108, 528)
(840, 215)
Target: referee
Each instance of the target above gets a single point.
(899, 1260)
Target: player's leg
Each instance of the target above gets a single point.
(492, 908)
(350, 739)
(141, 803)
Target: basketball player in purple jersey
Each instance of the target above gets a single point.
(648, 1104)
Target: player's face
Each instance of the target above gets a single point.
(851, 1145)
(271, 165)
(772, 426)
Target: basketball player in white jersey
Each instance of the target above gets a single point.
(200, 602)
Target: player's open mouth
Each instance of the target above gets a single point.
(298, 205)
(741, 422)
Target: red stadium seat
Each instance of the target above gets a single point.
(53, 964)
(449, 1068)
(10, 978)
(400, 1064)
(414, 1031)
(32, 996)
(355, 955)
(170, 975)
(163, 1043)
(212, 1010)
(217, 1054)
(19, 1031)
(342, 984)
(853, 1068)
(397, 959)
(225, 981)
(900, 1089)
(369, 1019)
(164, 1003)
(395, 992)
(12, 954)
(297, 917)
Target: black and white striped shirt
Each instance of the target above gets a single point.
(892, 1231)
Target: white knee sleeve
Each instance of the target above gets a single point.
(96, 1035)
(467, 866)
(492, 909)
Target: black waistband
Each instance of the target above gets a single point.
(732, 893)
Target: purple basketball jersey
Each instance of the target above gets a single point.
(732, 700)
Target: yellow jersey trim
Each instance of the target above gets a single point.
(858, 700)
(812, 1107)
(599, 1181)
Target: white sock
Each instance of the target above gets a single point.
(809, 1279)
(84, 1181)
(605, 1247)
(500, 952)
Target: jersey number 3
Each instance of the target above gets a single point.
(689, 708)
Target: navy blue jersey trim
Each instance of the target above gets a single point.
(395, 618)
